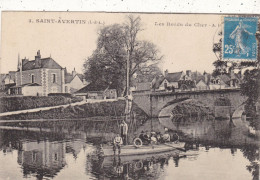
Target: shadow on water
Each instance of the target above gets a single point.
(137, 168)
(43, 147)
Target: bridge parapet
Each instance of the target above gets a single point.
(153, 102)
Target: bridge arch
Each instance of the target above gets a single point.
(167, 110)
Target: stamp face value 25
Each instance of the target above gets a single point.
(239, 38)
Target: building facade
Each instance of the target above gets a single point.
(45, 73)
(42, 76)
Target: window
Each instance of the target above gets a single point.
(54, 78)
(55, 157)
(165, 85)
(33, 78)
(66, 89)
(34, 156)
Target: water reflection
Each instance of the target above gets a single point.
(62, 149)
(41, 154)
(132, 168)
(217, 133)
(41, 158)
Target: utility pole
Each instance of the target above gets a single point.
(127, 73)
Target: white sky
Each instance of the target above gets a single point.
(70, 44)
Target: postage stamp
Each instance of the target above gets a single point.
(239, 38)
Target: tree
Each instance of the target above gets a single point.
(220, 67)
(148, 73)
(115, 44)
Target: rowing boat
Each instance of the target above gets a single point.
(129, 150)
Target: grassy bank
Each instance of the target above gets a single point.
(115, 108)
(8, 104)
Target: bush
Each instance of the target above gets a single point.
(61, 94)
(76, 99)
(29, 102)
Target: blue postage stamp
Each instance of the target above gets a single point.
(239, 38)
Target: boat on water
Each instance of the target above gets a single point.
(130, 150)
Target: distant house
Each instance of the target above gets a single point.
(178, 81)
(224, 81)
(201, 85)
(94, 91)
(73, 82)
(8, 78)
(218, 82)
(156, 83)
(7, 81)
(30, 89)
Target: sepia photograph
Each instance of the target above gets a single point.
(99, 95)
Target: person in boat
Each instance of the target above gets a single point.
(159, 137)
(147, 138)
(141, 136)
(123, 131)
(117, 143)
(166, 137)
(153, 138)
(175, 138)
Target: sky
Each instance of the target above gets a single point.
(184, 40)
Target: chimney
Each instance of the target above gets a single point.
(166, 72)
(38, 59)
(188, 73)
(74, 72)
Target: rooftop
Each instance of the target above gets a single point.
(48, 63)
(173, 77)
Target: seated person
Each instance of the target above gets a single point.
(147, 138)
(153, 138)
(175, 138)
(159, 137)
(118, 141)
(166, 137)
(141, 136)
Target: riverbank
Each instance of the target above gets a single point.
(115, 108)
(16, 103)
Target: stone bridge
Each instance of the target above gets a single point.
(153, 102)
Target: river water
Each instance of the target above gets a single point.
(66, 150)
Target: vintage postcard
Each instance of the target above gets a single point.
(129, 96)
